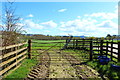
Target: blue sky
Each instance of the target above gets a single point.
(63, 18)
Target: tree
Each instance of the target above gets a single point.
(11, 28)
(108, 36)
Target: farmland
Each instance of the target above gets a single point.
(56, 63)
(59, 41)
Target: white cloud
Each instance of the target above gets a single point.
(107, 24)
(89, 26)
(21, 19)
(44, 25)
(30, 15)
(78, 24)
(20, 24)
(78, 17)
(95, 24)
(29, 23)
(105, 15)
(47, 31)
(38, 28)
(49, 24)
(62, 10)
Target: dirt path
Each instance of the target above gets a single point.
(60, 67)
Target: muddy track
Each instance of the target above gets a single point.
(59, 65)
(60, 68)
(52, 67)
(41, 70)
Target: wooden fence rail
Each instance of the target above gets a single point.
(12, 56)
(98, 47)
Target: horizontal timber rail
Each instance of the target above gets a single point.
(12, 56)
(11, 46)
(101, 47)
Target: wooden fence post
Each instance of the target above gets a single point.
(73, 43)
(106, 48)
(76, 43)
(16, 48)
(83, 42)
(29, 49)
(66, 40)
(118, 51)
(111, 50)
(91, 50)
(66, 43)
(101, 47)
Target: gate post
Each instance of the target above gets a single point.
(91, 50)
(29, 49)
(76, 43)
(119, 51)
(106, 48)
(66, 40)
(111, 50)
(101, 47)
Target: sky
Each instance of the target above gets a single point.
(62, 18)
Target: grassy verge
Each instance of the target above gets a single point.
(106, 70)
(23, 70)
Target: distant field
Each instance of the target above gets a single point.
(113, 40)
(42, 41)
(46, 44)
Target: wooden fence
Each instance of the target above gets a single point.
(98, 47)
(11, 57)
(107, 48)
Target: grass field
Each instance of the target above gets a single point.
(42, 41)
(48, 44)
(81, 55)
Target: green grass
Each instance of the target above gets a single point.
(23, 70)
(45, 45)
(113, 40)
(43, 41)
(105, 69)
(48, 44)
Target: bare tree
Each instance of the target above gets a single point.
(11, 27)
